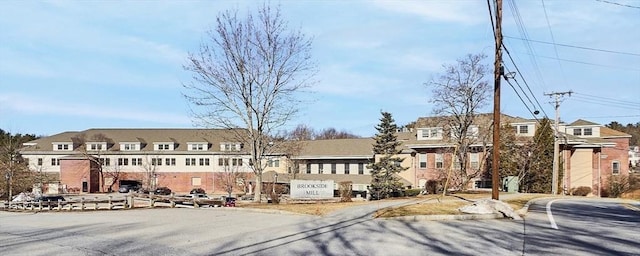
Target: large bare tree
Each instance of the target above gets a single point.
(248, 73)
(458, 93)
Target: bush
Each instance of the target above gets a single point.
(580, 191)
(412, 192)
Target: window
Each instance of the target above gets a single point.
(136, 161)
(62, 146)
(577, 131)
(456, 162)
(615, 167)
(156, 161)
(196, 181)
(236, 161)
(39, 161)
(346, 168)
(430, 133)
(333, 168)
(197, 147)
(422, 159)
(204, 161)
(123, 161)
(55, 161)
(129, 146)
(587, 131)
(360, 168)
(95, 146)
(273, 163)
(474, 160)
(170, 161)
(104, 161)
(190, 161)
(523, 129)
(472, 132)
(439, 161)
(320, 167)
(164, 146)
(308, 168)
(223, 161)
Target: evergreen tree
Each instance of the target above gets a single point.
(539, 178)
(384, 180)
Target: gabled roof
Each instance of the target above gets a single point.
(145, 136)
(607, 132)
(581, 122)
(338, 147)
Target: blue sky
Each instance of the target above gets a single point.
(71, 65)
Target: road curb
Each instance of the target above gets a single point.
(448, 217)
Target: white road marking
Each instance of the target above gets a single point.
(550, 216)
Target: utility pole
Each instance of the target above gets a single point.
(556, 145)
(495, 164)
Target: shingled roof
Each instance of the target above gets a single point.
(145, 136)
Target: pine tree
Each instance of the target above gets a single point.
(384, 180)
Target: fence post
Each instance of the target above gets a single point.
(82, 203)
(31, 206)
(195, 203)
(40, 205)
(95, 206)
(172, 201)
(49, 204)
(59, 205)
(151, 202)
(111, 203)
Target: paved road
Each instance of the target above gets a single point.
(583, 227)
(216, 231)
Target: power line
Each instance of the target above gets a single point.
(575, 46)
(608, 99)
(619, 4)
(555, 49)
(606, 104)
(523, 32)
(523, 80)
(587, 63)
(520, 97)
(597, 117)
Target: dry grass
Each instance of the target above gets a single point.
(635, 194)
(449, 205)
(321, 208)
(430, 205)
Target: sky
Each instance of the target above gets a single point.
(76, 65)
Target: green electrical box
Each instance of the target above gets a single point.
(510, 184)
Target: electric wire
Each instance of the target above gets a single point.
(523, 79)
(575, 46)
(555, 49)
(587, 63)
(522, 100)
(618, 4)
(595, 102)
(524, 34)
(608, 99)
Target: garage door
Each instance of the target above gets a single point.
(581, 168)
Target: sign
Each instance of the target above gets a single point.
(311, 189)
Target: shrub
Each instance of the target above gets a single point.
(412, 192)
(581, 191)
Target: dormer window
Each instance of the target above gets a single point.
(472, 132)
(130, 146)
(432, 133)
(95, 146)
(198, 146)
(62, 146)
(230, 146)
(164, 146)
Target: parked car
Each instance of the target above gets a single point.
(230, 202)
(197, 191)
(126, 188)
(163, 191)
(194, 196)
(45, 199)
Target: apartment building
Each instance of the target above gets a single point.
(181, 159)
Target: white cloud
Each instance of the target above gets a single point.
(37, 106)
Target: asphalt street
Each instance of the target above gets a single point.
(591, 227)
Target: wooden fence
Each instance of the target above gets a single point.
(129, 201)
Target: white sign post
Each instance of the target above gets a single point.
(311, 189)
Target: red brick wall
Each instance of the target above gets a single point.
(74, 171)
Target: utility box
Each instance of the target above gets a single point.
(510, 184)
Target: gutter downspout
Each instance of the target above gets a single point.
(599, 172)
